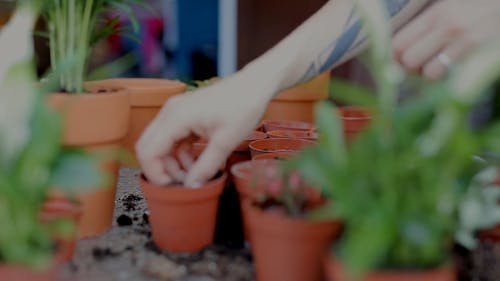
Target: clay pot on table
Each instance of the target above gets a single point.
(354, 119)
(287, 248)
(147, 96)
(183, 219)
(96, 122)
(285, 134)
(297, 103)
(288, 125)
(336, 272)
(242, 152)
(278, 145)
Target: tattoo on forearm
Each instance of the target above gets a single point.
(350, 39)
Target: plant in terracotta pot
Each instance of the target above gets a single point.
(400, 185)
(96, 117)
(36, 231)
(285, 244)
(183, 218)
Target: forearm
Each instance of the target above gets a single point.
(329, 38)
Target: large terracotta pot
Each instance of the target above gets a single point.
(96, 122)
(182, 218)
(286, 248)
(297, 103)
(147, 96)
(278, 145)
(336, 272)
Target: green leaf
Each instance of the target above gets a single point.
(331, 133)
(351, 94)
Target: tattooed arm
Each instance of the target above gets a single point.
(226, 112)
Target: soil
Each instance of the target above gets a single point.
(127, 253)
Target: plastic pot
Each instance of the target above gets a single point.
(96, 122)
(183, 219)
(147, 96)
(335, 272)
(286, 248)
(288, 125)
(278, 145)
(285, 134)
(354, 119)
(297, 103)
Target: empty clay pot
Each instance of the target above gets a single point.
(288, 125)
(354, 119)
(287, 248)
(335, 272)
(278, 145)
(147, 96)
(285, 134)
(182, 218)
(297, 103)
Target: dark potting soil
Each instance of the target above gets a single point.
(124, 220)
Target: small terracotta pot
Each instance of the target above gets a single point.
(245, 173)
(297, 103)
(286, 248)
(96, 122)
(284, 134)
(58, 207)
(183, 219)
(354, 119)
(335, 272)
(242, 152)
(278, 145)
(274, 156)
(288, 125)
(147, 96)
(11, 272)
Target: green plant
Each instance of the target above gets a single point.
(399, 185)
(31, 158)
(74, 26)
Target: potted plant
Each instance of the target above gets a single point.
(96, 117)
(297, 103)
(35, 230)
(399, 186)
(285, 244)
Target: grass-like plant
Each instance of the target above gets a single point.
(400, 185)
(74, 26)
(31, 157)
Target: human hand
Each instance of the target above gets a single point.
(445, 34)
(224, 114)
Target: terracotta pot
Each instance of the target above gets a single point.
(97, 123)
(335, 272)
(183, 219)
(147, 96)
(491, 235)
(245, 176)
(354, 119)
(10, 272)
(286, 248)
(297, 103)
(242, 152)
(288, 125)
(278, 145)
(285, 134)
(58, 207)
(274, 156)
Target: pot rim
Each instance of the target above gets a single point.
(358, 109)
(289, 125)
(279, 140)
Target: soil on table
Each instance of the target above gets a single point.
(127, 253)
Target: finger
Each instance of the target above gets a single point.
(456, 51)
(155, 173)
(209, 162)
(425, 49)
(411, 33)
(184, 157)
(173, 168)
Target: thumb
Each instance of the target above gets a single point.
(209, 162)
